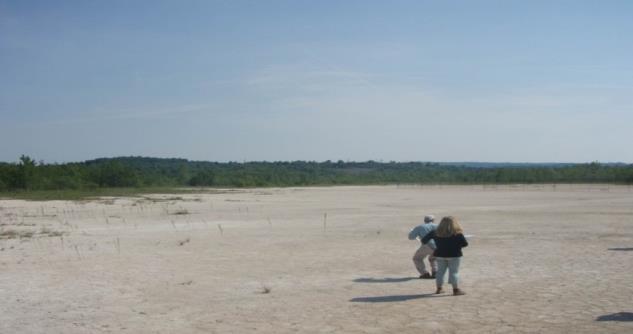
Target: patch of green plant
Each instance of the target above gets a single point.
(89, 194)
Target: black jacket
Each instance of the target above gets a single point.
(447, 247)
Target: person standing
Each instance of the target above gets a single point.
(425, 250)
(449, 241)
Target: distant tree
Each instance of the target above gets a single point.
(114, 174)
(203, 178)
(25, 173)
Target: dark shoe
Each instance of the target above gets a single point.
(433, 275)
(458, 292)
(439, 290)
(426, 275)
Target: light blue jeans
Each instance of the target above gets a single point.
(450, 263)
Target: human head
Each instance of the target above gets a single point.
(448, 227)
(429, 219)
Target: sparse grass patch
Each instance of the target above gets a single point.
(9, 234)
(14, 234)
(25, 234)
(162, 199)
(50, 233)
(92, 194)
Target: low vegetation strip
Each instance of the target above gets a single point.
(133, 175)
(91, 193)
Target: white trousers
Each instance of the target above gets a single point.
(420, 255)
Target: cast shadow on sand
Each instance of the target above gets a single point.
(393, 298)
(384, 280)
(625, 249)
(621, 316)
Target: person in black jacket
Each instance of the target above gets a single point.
(449, 240)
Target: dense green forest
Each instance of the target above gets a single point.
(27, 174)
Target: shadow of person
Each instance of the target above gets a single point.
(620, 316)
(393, 298)
(383, 280)
(625, 249)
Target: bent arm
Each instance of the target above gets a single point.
(413, 234)
(463, 240)
(428, 237)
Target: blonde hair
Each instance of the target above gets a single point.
(448, 227)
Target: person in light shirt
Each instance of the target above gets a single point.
(420, 232)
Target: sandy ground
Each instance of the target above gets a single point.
(542, 259)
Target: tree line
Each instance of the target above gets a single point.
(27, 174)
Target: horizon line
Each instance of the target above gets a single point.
(381, 161)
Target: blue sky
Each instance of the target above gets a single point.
(515, 81)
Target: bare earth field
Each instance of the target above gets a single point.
(542, 259)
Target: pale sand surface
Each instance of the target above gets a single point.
(538, 262)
